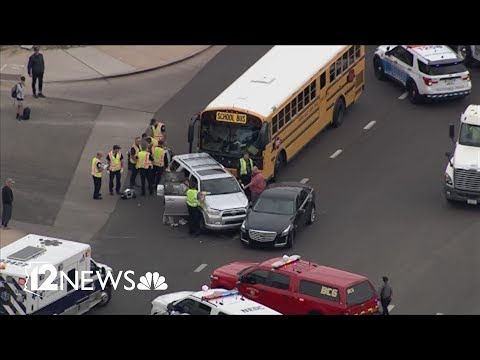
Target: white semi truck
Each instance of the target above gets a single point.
(462, 176)
(469, 53)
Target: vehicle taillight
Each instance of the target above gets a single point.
(88, 253)
(21, 282)
(429, 82)
(467, 78)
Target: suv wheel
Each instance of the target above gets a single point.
(378, 68)
(413, 94)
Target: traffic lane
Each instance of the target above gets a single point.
(214, 77)
(30, 153)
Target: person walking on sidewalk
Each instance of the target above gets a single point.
(386, 293)
(144, 166)
(115, 168)
(97, 169)
(132, 161)
(19, 97)
(36, 68)
(7, 202)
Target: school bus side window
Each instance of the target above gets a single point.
(345, 61)
(357, 51)
(306, 95)
(351, 56)
(275, 124)
(287, 113)
(294, 107)
(299, 102)
(313, 91)
(281, 117)
(323, 80)
(332, 73)
(338, 67)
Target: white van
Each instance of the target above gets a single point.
(462, 176)
(22, 283)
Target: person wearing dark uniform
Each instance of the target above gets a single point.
(244, 171)
(7, 202)
(193, 202)
(96, 171)
(386, 293)
(115, 167)
(144, 166)
(160, 162)
(132, 161)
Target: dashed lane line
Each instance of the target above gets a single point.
(369, 125)
(200, 268)
(403, 96)
(336, 154)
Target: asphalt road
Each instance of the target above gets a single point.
(380, 202)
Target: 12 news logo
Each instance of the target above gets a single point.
(55, 280)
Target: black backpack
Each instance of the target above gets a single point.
(26, 113)
(14, 91)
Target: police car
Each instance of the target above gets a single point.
(426, 71)
(208, 302)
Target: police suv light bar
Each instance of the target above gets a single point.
(285, 261)
(220, 295)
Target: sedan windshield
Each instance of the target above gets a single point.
(469, 135)
(230, 139)
(220, 186)
(275, 206)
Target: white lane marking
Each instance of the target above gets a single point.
(369, 125)
(336, 153)
(439, 314)
(390, 307)
(403, 96)
(200, 268)
(3, 67)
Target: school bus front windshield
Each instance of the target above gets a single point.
(229, 138)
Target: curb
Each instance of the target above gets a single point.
(136, 71)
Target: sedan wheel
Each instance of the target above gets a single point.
(312, 217)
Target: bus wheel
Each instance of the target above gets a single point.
(338, 113)
(106, 296)
(279, 165)
(378, 68)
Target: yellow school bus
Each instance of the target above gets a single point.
(279, 105)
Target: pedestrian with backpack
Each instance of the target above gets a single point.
(18, 93)
(36, 68)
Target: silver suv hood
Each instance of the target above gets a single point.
(226, 201)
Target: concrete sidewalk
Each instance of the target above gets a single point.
(95, 62)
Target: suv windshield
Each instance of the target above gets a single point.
(442, 69)
(360, 293)
(469, 135)
(276, 206)
(220, 186)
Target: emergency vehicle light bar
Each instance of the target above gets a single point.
(285, 261)
(220, 295)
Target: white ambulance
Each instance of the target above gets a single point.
(208, 302)
(426, 71)
(23, 283)
(462, 176)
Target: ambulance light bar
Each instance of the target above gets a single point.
(220, 295)
(286, 260)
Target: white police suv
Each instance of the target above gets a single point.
(208, 302)
(426, 71)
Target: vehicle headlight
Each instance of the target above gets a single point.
(243, 227)
(448, 179)
(287, 230)
(213, 212)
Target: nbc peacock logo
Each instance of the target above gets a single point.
(152, 281)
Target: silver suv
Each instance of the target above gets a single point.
(225, 205)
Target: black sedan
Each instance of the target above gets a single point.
(279, 212)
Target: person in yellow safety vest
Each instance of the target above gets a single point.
(115, 168)
(144, 166)
(160, 162)
(194, 197)
(96, 171)
(132, 161)
(244, 171)
(156, 130)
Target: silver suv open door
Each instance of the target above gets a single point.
(173, 191)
